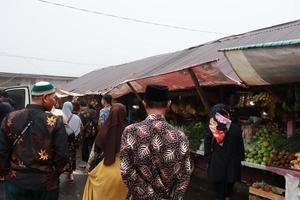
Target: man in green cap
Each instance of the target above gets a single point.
(33, 148)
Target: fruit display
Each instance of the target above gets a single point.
(295, 164)
(182, 109)
(247, 131)
(285, 156)
(282, 159)
(262, 191)
(244, 100)
(264, 98)
(194, 133)
(292, 143)
(260, 147)
(262, 185)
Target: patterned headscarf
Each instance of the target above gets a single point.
(219, 122)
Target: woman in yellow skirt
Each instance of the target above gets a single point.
(104, 182)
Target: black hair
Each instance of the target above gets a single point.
(82, 103)
(107, 98)
(76, 106)
(3, 93)
(223, 110)
(220, 108)
(156, 104)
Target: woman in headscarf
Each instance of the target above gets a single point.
(104, 181)
(224, 151)
(96, 156)
(73, 127)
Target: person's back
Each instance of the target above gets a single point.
(32, 156)
(89, 132)
(155, 162)
(33, 150)
(90, 116)
(105, 181)
(106, 102)
(160, 154)
(5, 108)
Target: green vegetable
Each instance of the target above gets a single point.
(194, 133)
(292, 143)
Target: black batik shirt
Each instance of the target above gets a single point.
(38, 157)
(155, 161)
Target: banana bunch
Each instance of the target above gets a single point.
(264, 98)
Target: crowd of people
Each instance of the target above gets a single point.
(145, 160)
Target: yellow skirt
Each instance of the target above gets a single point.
(105, 183)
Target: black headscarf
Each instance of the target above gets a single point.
(223, 110)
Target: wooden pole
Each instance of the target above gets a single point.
(135, 92)
(199, 90)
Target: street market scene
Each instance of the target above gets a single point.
(219, 119)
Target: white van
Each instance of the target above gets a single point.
(20, 94)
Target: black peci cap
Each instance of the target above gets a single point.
(157, 93)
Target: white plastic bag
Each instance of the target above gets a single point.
(292, 188)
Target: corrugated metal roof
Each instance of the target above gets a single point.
(105, 79)
(8, 74)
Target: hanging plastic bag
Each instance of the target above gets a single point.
(292, 188)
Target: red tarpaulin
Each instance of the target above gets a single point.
(208, 74)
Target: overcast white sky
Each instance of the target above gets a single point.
(31, 28)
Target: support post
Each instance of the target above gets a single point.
(199, 90)
(135, 92)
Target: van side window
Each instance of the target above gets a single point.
(18, 95)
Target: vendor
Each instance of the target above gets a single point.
(224, 151)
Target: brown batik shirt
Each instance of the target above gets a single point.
(155, 161)
(38, 157)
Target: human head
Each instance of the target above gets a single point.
(76, 106)
(106, 100)
(3, 95)
(67, 109)
(221, 114)
(109, 136)
(43, 93)
(157, 98)
(82, 103)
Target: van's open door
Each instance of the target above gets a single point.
(21, 96)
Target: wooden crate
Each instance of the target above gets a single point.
(264, 194)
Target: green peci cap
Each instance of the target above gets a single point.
(42, 88)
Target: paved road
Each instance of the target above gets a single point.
(199, 189)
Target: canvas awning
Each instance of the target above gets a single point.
(267, 63)
(63, 93)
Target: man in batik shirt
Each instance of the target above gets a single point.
(33, 148)
(155, 162)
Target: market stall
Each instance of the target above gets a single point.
(275, 69)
